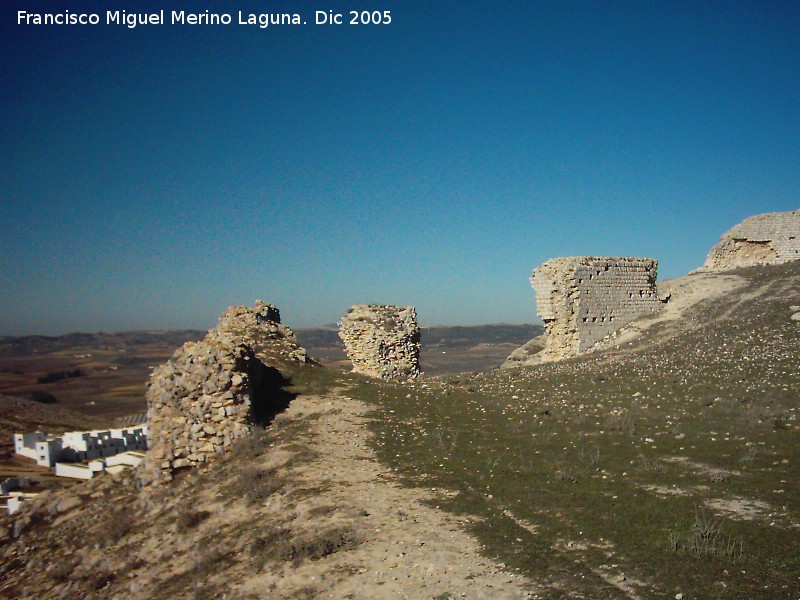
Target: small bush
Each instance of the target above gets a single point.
(43, 397)
(250, 446)
(720, 477)
(59, 375)
(281, 420)
(654, 466)
(624, 421)
(565, 475)
(115, 527)
(590, 455)
(674, 544)
(99, 580)
(256, 485)
(750, 455)
(62, 571)
(321, 545)
(707, 540)
(268, 546)
(210, 555)
(189, 519)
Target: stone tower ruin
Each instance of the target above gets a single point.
(382, 341)
(213, 391)
(767, 239)
(583, 299)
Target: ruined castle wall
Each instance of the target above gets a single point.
(207, 395)
(770, 238)
(584, 299)
(382, 341)
(197, 404)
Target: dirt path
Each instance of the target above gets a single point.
(406, 549)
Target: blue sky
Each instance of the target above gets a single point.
(152, 177)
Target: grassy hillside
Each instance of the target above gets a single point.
(669, 466)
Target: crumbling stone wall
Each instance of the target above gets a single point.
(585, 298)
(767, 239)
(212, 391)
(382, 341)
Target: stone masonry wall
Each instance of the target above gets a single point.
(770, 238)
(382, 341)
(583, 299)
(204, 397)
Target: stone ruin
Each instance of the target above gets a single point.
(211, 392)
(382, 341)
(767, 239)
(583, 299)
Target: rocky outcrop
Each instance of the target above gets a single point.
(382, 341)
(583, 299)
(211, 392)
(767, 239)
(526, 355)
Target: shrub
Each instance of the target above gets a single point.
(59, 375)
(250, 446)
(189, 519)
(43, 397)
(115, 527)
(321, 545)
(256, 485)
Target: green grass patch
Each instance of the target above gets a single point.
(674, 466)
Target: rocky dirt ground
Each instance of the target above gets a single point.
(301, 510)
(403, 549)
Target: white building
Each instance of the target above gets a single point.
(74, 470)
(75, 446)
(41, 447)
(15, 500)
(113, 464)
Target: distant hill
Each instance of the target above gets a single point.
(459, 336)
(38, 344)
(451, 336)
(445, 348)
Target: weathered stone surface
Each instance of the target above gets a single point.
(206, 392)
(585, 298)
(526, 355)
(767, 239)
(382, 341)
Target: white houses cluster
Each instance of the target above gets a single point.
(62, 452)
(76, 454)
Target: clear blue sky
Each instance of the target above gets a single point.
(152, 177)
